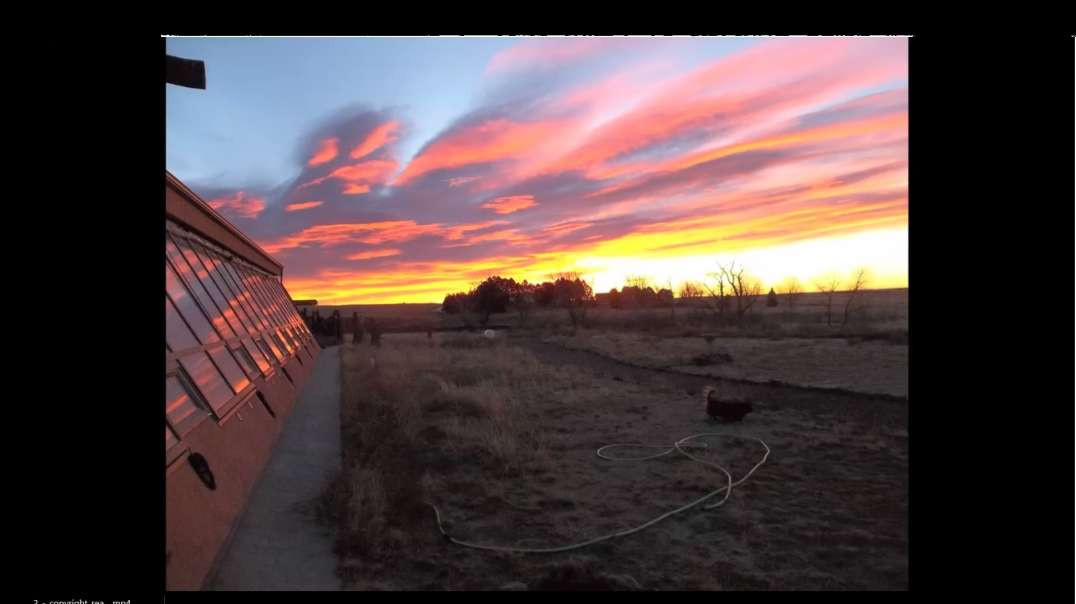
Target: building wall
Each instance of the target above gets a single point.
(236, 357)
(200, 521)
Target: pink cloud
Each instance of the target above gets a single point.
(325, 153)
(374, 254)
(240, 204)
(507, 205)
(305, 205)
(382, 135)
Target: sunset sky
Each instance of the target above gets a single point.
(401, 169)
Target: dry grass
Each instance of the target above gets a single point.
(504, 445)
(451, 404)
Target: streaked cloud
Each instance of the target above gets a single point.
(325, 153)
(239, 205)
(597, 154)
(507, 205)
(303, 205)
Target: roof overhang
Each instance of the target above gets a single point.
(184, 206)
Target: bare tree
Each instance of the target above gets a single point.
(717, 302)
(791, 288)
(828, 284)
(859, 279)
(744, 289)
(691, 290)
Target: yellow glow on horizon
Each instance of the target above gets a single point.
(883, 251)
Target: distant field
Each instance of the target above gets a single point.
(876, 310)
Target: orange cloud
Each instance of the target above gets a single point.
(382, 135)
(507, 205)
(354, 189)
(241, 204)
(489, 141)
(372, 233)
(305, 205)
(374, 254)
(371, 171)
(325, 153)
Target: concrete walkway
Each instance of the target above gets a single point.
(278, 544)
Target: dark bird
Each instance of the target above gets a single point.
(728, 411)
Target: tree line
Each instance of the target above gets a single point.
(731, 293)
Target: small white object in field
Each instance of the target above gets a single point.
(490, 334)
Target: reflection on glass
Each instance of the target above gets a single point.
(202, 274)
(179, 262)
(268, 343)
(214, 282)
(244, 295)
(208, 380)
(245, 362)
(187, 308)
(230, 290)
(179, 408)
(257, 355)
(176, 333)
(227, 365)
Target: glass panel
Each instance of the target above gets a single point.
(195, 286)
(221, 291)
(261, 284)
(257, 299)
(260, 293)
(245, 296)
(208, 379)
(256, 354)
(275, 336)
(176, 332)
(179, 407)
(267, 344)
(170, 439)
(283, 338)
(230, 290)
(211, 288)
(187, 308)
(227, 365)
(245, 362)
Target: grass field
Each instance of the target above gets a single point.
(501, 436)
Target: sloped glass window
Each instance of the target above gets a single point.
(179, 407)
(196, 319)
(269, 345)
(176, 333)
(244, 296)
(209, 381)
(186, 273)
(199, 271)
(214, 282)
(257, 299)
(230, 290)
(246, 362)
(282, 338)
(227, 365)
(258, 356)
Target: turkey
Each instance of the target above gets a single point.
(727, 411)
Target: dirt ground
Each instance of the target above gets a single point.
(827, 511)
(873, 367)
